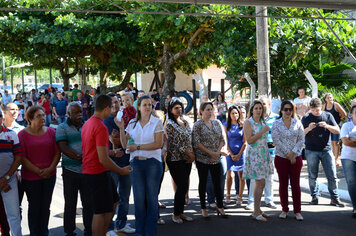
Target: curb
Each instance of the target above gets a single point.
(343, 194)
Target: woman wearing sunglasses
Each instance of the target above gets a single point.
(288, 138)
(179, 156)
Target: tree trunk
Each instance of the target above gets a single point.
(66, 78)
(65, 83)
(103, 81)
(169, 83)
(167, 63)
(123, 84)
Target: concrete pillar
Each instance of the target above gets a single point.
(263, 63)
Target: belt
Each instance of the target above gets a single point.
(141, 158)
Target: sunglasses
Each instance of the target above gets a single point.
(287, 109)
(175, 99)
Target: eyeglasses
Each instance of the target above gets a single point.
(287, 109)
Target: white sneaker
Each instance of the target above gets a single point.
(283, 215)
(111, 233)
(127, 229)
(249, 207)
(299, 217)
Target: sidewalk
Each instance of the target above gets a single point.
(323, 183)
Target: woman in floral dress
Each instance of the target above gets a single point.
(258, 163)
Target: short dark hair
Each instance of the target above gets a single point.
(102, 102)
(299, 88)
(76, 86)
(204, 105)
(315, 102)
(30, 113)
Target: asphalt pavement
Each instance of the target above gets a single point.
(322, 219)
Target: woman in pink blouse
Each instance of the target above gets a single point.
(40, 156)
(288, 138)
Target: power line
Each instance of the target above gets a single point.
(120, 12)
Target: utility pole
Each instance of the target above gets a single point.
(263, 64)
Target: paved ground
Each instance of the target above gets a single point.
(319, 220)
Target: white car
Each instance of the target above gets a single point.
(8, 88)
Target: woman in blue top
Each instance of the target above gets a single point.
(236, 147)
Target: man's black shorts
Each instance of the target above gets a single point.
(103, 191)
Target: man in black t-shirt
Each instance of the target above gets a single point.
(317, 127)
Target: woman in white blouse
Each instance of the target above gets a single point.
(144, 140)
(288, 138)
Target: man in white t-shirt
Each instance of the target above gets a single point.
(348, 156)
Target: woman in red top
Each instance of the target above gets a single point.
(40, 156)
(44, 102)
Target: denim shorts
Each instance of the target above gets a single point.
(103, 191)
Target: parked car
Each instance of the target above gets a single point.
(8, 88)
(59, 87)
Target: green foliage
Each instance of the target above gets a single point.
(343, 96)
(60, 40)
(296, 45)
(136, 42)
(332, 76)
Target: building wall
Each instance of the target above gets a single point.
(184, 82)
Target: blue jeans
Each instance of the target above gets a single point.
(209, 184)
(237, 183)
(48, 120)
(145, 179)
(327, 160)
(11, 204)
(349, 167)
(61, 118)
(123, 183)
(268, 191)
(39, 197)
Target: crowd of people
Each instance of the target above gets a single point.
(110, 143)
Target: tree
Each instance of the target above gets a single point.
(66, 40)
(296, 45)
(181, 42)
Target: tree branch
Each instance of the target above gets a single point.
(76, 68)
(122, 85)
(190, 44)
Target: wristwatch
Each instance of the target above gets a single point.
(138, 147)
(7, 177)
